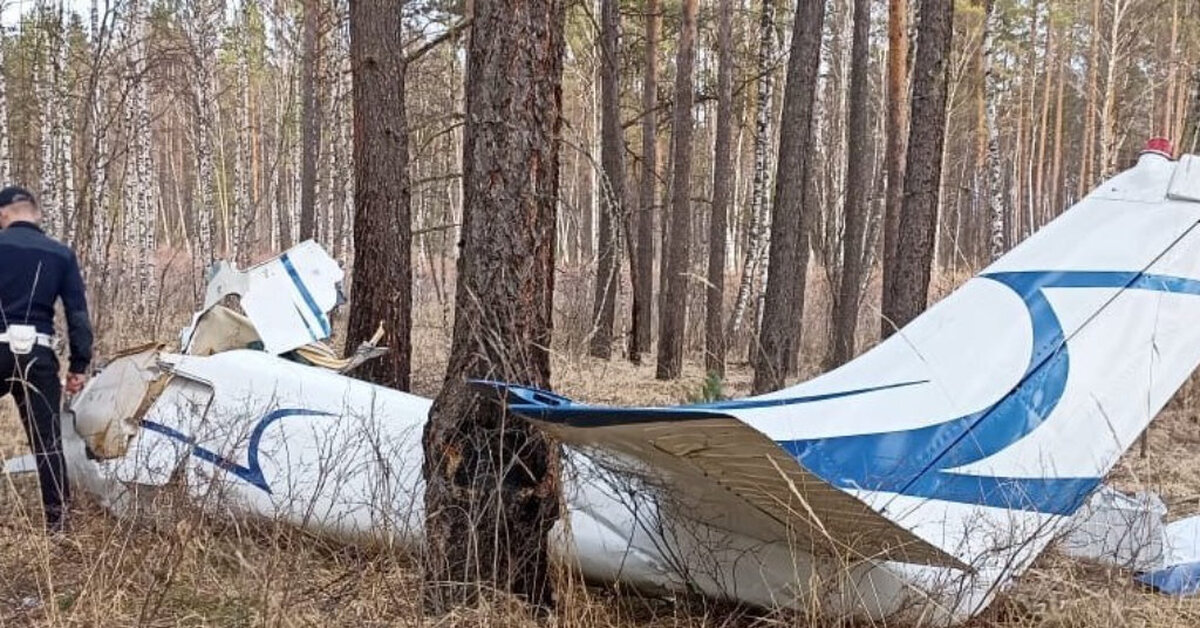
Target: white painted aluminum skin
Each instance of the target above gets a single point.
(914, 482)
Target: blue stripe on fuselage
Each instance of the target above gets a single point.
(252, 471)
(917, 462)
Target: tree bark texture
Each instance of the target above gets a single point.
(310, 146)
(753, 262)
(643, 289)
(612, 188)
(492, 479)
(381, 287)
(914, 246)
(783, 301)
(714, 315)
(897, 143)
(858, 154)
(673, 320)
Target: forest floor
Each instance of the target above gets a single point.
(193, 570)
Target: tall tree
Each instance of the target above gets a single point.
(994, 170)
(612, 189)
(97, 164)
(144, 161)
(64, 138)
(242, 177)
(310, 122)
(1117, 53)
(914, 246)
(381, 287)
(783, 302)
(897, 142)
(643, 283)
(49, 110)
(205, 18)
(714, 321)
(1087, 155)
(858, 154)
(492, 481)
(673, 320)
(756, 242)
(5, 134)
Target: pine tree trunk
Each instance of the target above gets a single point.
(96, 181)
(643, 289)
(612, 189)
(310, 123)
(1167, 126)
(858, 154)
(673, 320)
(914, 246)
(382, 280)
(756, 238)
(714, 332)
(783, 302)
(492, 481)
(345, 140)
(587, 187)
(1021, 199)
(897, 142)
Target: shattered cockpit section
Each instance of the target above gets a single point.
(285, 303)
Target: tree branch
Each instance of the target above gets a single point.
(453, 31)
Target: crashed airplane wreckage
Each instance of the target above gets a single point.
(914, 482)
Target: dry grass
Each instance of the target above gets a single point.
(196, 570)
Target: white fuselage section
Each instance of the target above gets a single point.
(253, 434)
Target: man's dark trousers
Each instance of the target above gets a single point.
(33, 381)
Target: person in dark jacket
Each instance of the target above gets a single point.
(37, 271)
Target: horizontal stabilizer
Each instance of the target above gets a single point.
(716, 466)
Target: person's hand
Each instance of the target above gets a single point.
(75, 382)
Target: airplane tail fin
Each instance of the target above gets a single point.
(1011, 398)
(1021, 389)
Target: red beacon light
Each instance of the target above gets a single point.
(1159, 146)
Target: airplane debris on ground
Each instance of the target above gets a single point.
(1179, 573)
(915, 482)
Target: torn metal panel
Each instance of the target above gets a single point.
(1185, 183)
(220, 329)
(287, 299)
(20, 464)
(1181, 573)
(1119, 529)
(107, 414)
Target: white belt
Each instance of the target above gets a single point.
(43, 340)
